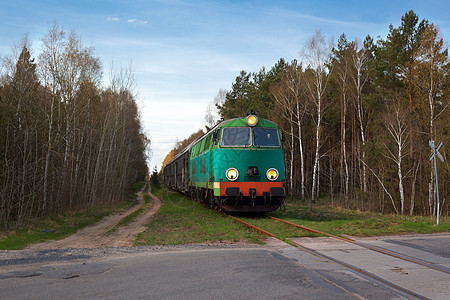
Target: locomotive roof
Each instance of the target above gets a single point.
(241, 122)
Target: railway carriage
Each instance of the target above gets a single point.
(237, 166)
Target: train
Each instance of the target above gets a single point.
(236, 167)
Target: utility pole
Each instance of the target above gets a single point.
(434, 153)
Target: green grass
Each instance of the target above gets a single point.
(138, 186)
(147, 198)
(126, 220)
(184, 221)
(133, 216)
(53, 228)
(59, 227)
(348, 222)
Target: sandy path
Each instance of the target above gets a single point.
(96, 236)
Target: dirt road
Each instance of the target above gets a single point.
(97, 235)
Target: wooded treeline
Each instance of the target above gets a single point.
(358, 117)
(66, 143)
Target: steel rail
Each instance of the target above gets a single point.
(248, 225)
(363, 273)
(373, 248)
(369, 276)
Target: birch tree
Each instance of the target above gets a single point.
(396, 125)
(316, 57)
(342, 66)
(212, 112)
(360, 77)
(284, 102)
(289, 93)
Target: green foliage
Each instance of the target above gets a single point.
(154, 180)
(402, 78)
(137, 186)
(251, 91)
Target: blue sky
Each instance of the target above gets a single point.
(184, 51)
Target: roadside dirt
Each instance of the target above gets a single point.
(97, 236)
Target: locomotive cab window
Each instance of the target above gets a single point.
(265, 137)
(194, 150)
(208, 143)
(202, 147)
(236, 136)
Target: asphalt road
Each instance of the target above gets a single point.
(273, 271)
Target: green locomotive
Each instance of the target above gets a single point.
(237, 166)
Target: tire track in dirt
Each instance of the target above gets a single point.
(97, 236)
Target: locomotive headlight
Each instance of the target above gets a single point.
(232, 174)
(272, 174)
(252, 120)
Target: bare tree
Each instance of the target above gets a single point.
(360, 78)
(397, 126)
(316, 56)
(212, 112)
(285, 101)
(20, 95)
(63, 139)
(342, 72)
(289, 93)
(65, 65)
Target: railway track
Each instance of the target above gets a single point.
(373, 248)
(363, 273)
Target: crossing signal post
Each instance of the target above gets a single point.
(435, 153)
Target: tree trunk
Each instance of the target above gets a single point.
(302, 157)
(291, 173)
(316, 157)
(47, 158)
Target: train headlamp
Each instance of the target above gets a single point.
(272, 174)
(252, 120)
(232, 174)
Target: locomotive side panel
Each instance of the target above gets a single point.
(200, 163)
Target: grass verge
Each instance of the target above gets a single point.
(348, 222)
(126, 220)
(184, 221)
(59, 227)
(133, 216)
(53, 228)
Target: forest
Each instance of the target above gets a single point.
(66, 142)
(358, 118)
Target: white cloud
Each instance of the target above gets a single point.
(113, 19)
(137, 21)
(131, 21)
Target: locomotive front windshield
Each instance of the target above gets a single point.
(236, 136)
(244, 137)
(265, 137)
